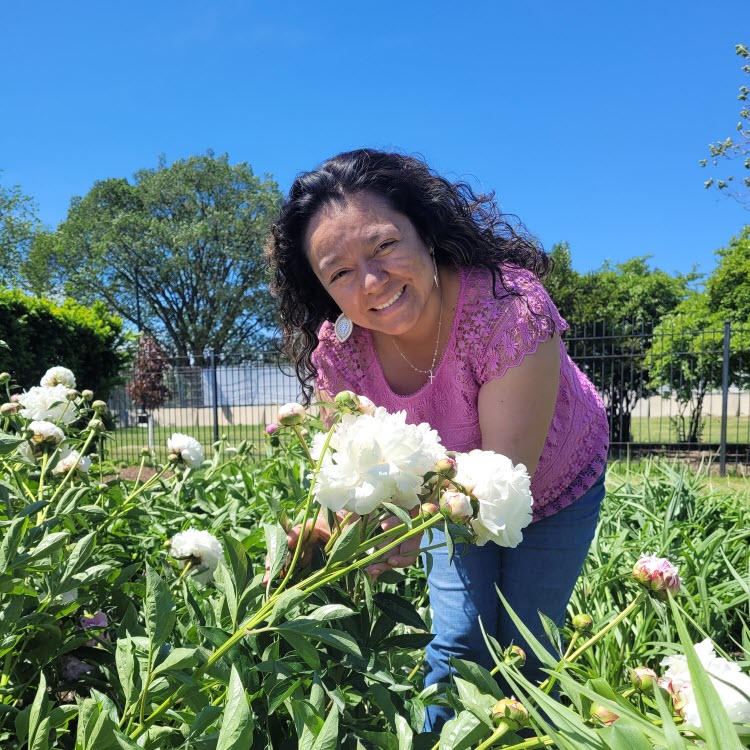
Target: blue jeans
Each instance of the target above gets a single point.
(537, 576)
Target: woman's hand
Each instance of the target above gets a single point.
(402, 556)
(314, 536)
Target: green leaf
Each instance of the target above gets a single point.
(399, 609)
(237, 726)
(39, 709)
(477, 675)
(41, 738)
(623, 735)
(474, 700)
(277, 548)
(462, 732)
(552, 631)
(204, 719)
(8, 443)
(11, 540)
(404, 733)
(671, 735)
(280, 692)
(336, 638)
(78, 557)
(238, 561)
(303, 647)
(177, 660)
(128, 670)
(159, 608)
(346, 545)
(49, 544)
(716, 727)
(288, 600)
(328, 739)
(330, 612)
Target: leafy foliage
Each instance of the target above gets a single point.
(737, 149)
(147, 387)
(87, 340)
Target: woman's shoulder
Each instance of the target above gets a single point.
(513, 292)
(339, 360)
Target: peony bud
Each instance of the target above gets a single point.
(87, 395)
(603, 715)
(514, 655)
(173, 458)
(71, 394)
(102, 487)
(582, 622)
(4, 378)
(145, 452)
(511, 711)
(657, 574)
(291, 414)
(271, 428)
(456, 506)
(9, 409)
(96, 425)
(99, 406)
(347, 400)
(446, 467)
(643, 679)
(366, 406)
(430, 509)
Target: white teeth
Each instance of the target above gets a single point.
(391, 300)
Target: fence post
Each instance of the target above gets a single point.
(724, 402)
(215, 393)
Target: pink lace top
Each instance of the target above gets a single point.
(488, 337)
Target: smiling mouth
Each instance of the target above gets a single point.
(391, 300)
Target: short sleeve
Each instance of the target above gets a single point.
(515, 325)
(325, 359)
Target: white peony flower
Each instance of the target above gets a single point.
(375, 458)
(732, 685)
(187, 447)
(504, 494)
(48, 403)
(46, 432)
(69, 458)
(59, 376)
(366, 406)
(200, 548)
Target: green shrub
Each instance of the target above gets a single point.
(40, 334)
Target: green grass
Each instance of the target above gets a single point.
(662, 429)
(129, 441)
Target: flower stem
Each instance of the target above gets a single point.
(502, 729)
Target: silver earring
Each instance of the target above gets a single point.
(434, 265)
(343, 328)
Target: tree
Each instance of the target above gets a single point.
(728, 286)
(147, 387)
(735, 150)
(177, 252)
(612, 312)
(18, 225)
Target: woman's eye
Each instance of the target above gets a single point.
(385, 245)
(338, 275)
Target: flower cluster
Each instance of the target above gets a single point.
(375, 458)
(732, 685)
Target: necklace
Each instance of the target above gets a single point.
(431, 371)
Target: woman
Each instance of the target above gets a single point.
(399, 285)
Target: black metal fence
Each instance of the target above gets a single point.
(669, 391)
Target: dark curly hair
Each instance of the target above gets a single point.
(464, 228)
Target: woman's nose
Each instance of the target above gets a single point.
(374, 277)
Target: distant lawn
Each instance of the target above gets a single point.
(661, 430)
(129, 441)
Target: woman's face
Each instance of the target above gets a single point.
(372, 262)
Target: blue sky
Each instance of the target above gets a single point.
(587, 118)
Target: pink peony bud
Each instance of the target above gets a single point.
(643, 679)
(582, 622)
(271, 428)
(7, 409)
(514, 655)
(603, 715)
(447, 467)
(456, 506)
(511, 711)
(429, 509)
(679, 704)
(657, 574)
(291, 414)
